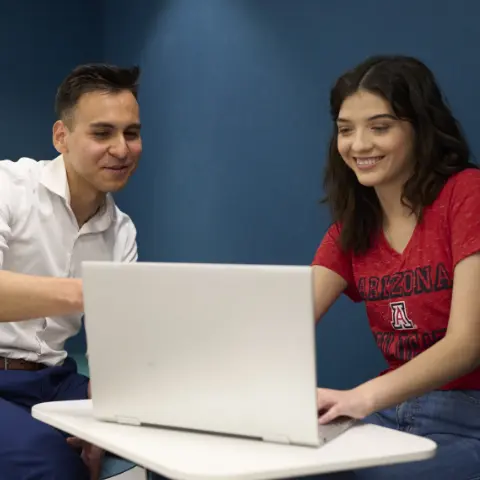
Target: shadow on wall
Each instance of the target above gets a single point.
(230, 134)
(323, 39)
(127, 32)
(128, 36)
(40, 42)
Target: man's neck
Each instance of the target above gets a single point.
(85, 201)
(85, 207)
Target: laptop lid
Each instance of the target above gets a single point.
(210, 347)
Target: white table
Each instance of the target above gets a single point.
(195, 456)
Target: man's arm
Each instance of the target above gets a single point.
(24, 297)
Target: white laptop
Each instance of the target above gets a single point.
(226, 349)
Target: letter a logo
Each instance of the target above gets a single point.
(400, 320)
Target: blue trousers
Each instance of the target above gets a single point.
(30, 449)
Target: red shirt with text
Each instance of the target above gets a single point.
(408, 295)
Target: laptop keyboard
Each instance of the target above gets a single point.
(334, 428)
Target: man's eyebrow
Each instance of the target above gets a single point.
(373, 117)
(134, 126)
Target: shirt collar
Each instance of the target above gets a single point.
(54, 178)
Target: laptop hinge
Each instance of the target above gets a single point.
(273, 438)
(128, 421)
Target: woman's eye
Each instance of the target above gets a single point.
(381, 128)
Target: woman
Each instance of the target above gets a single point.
(405, 201)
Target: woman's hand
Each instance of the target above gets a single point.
(342, 403)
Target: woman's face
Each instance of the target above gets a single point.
(373, 142)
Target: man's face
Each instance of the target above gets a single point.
(101, 144)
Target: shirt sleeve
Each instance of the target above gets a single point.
(331, 256)
(125, 240)
(464, 215)
(5, 216)
(130, 253)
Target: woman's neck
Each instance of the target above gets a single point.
(390, 198)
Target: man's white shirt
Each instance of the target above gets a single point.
(39, 235)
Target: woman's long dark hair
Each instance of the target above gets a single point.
(440, 148)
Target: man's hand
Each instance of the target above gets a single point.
(337, 403)
(91, 455)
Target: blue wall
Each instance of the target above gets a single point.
(40, 42)
(234, 100)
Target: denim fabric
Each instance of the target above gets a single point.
(451, 419)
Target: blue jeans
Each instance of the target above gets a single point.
(30, 449)
(450, 418)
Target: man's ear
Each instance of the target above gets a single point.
(60, 134)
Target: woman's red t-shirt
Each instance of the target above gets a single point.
(408, 295)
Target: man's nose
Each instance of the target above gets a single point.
(119, 147)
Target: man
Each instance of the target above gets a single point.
(54, 215)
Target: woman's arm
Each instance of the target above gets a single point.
(328, 286)
(457, 354)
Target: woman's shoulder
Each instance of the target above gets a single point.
(461, 185)
(462, 181)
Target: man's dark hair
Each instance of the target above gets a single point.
(440, 148)
(95, 77)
